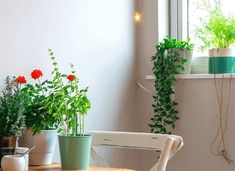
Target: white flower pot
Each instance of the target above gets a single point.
(45, 145)
(185, 54)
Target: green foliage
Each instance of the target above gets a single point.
(12, 120)
(173, 44)
(218, 31)
(67, 102)
(166, 64)
(36, 115)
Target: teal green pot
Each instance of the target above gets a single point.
(221, 61)
(75, 152)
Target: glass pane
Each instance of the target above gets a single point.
(198, 12)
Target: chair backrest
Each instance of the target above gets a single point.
(168, 145)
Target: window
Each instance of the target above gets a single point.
(186, 15)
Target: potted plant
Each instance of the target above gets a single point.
(69, 104)
(12, 120)
(218, 33)
(167, 62)
(40, 124)
(184, 50)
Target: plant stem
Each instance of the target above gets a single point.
(83, 125)
(80, 122)
(76, 124)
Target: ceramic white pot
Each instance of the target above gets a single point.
(45, 141)
(185, 54)
(13, 163)
(21, 150)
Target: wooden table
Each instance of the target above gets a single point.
(57, 167)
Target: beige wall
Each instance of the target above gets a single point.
(197, 105)
(97, 36)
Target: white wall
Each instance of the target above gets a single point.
(97, 36)
(198, 108)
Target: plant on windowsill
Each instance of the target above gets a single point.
(218, 35)
(12, 120)
(69, 104)
(167, 62)
(40, 124)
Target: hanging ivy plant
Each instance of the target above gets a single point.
(166, 64)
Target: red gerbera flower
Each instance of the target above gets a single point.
(35, 74)
(71, 77)
(21, 80)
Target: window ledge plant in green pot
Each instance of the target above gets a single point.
(40, 124)
(167, 62)
(68, 103)
(218, 34)
(12, 120)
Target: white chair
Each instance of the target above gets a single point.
(168, 145)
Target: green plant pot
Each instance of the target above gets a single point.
(75, 152)
(221, 60)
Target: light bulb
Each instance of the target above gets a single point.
(137, 17)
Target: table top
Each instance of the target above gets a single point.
(57, 167)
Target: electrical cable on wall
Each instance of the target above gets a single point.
(221, 149)
(143, 88)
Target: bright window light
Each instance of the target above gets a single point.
(197, 12)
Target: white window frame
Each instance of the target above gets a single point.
(179, 22)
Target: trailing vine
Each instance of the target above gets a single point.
(166, 64)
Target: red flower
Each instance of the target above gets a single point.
(71, 77)
(35, 74)
(21, 80)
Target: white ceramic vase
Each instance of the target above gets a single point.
(45, 146)
(185, 54)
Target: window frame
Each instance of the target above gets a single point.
(179, 19)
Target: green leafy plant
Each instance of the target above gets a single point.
(66, 101)
(173, 44)
(36, 116)
(12, 119)
(218, 31)
(166, 64)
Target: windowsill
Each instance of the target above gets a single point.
(194, 76)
